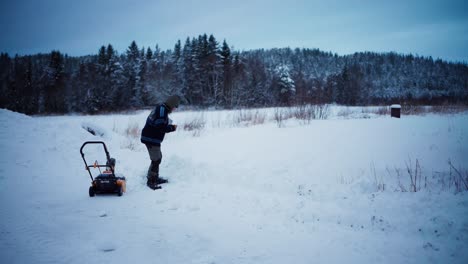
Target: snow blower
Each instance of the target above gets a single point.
(106, 181)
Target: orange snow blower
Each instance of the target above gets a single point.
(106, 181)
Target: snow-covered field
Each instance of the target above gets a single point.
(328, 191)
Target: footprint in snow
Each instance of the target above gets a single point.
(107, 247)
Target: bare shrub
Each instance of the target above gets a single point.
(378, 181)
(217, 122)
(346, 180)
(345, 113)
(408, 109)
(460, 179)
(114, 127)
(414, 174)
(414, 180)
(364, 112)
(132, 130)
(448, 109)
(249, 117)
(305, 113)
(280, 116)
(131, 144)
(322, 111)
(243, 117)
(383, 110)
(195, 125)
(398, 173)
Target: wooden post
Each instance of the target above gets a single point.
(395, 110)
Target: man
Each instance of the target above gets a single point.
(152, 135)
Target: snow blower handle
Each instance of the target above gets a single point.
(83, 156)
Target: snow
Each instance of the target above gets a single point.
(238, 192)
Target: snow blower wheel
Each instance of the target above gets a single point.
(91, 191)
(106, 181)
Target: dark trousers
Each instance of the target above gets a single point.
(156, 157)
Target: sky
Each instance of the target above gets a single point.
(437, 28)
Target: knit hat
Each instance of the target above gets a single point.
(173, 101)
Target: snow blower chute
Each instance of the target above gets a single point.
(106, 181)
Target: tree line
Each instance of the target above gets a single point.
(206, 73)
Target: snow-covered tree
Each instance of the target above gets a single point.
(285, 84)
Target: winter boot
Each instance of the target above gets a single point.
(160, 180)
(152, 183)
(153, 175)
(149, 182)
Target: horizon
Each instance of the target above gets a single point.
(435, 28)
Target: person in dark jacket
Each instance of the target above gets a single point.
(152, 135)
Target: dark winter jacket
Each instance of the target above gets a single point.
(157, 125)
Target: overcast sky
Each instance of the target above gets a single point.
(434, 28)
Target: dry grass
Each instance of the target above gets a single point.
(306, 113)
(378, 181)
(458, 177)
(381, 110)
(249, 117)
(282, 114)
(414, 175)
(195, 125)
(345, 113)
(303, 113)
(408, 109)
(131, 144)
(413, 110)
(414, 180)
(133, 130)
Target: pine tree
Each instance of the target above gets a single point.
(55, 84)
(143, 85)
(5, 67)
(132, 52)
(239, 79)
(110, 52)
(214, 71)
(149, 54)
(195, 81)
(285, 85)
(178, 69)
(30, 94)
(16, 86)
(102, 56)
(227, 75)
(188, 74)
(202, 68)
(342, 80)
(132, 97)
(117, 85)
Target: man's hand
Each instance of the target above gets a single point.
(175, 127)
